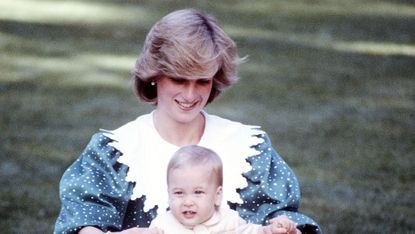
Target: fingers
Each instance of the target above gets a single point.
(266, 230)
(273, 229)
(281, 223)
(279, 230)
(278, 218)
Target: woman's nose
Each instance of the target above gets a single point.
(190, 91)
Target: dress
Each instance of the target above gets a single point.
(120, 178)
(223, 221)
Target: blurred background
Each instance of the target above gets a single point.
(331, 81)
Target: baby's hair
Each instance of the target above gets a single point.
(194, 155)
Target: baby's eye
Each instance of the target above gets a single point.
(199, 192)
(178, 193)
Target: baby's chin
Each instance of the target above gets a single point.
(188, 226)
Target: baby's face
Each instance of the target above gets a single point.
(193, 194)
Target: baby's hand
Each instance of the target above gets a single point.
(283, 225)
(272, 229)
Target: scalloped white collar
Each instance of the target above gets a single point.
(147, 155)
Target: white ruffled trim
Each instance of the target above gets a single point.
(233, 141)
(223, 221)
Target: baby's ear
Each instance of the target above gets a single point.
(219, 194)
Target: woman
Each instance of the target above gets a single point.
(118, 183)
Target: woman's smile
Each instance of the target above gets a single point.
(186, 105)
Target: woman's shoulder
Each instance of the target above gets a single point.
(105, 146)
(216, 124)
(224, 122)
(127, 135)
(141, 121)
(99, 152)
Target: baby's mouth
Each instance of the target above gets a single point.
(189, 213)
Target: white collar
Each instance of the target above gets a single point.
(147, 155)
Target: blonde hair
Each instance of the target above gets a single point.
(194, 155)
(187, 44)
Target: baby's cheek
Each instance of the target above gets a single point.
(174, 202)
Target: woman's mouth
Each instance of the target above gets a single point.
(186, 105)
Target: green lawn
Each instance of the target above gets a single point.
(331, 81)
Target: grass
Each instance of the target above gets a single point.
(331, 81)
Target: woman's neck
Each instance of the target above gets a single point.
(176, 133)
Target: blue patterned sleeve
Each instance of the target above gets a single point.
(272, 190)
(93, 190)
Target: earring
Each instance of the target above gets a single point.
(152, 83)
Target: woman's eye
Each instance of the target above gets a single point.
(204, 81)
(178, 80)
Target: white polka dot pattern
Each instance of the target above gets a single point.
(94, 191)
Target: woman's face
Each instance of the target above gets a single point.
(182, 100)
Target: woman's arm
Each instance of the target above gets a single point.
(272, 190)
(93, 191)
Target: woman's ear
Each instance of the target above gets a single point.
(218, 198)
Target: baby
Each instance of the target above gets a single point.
(194, 180)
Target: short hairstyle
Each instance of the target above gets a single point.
(187, 44)
(194, 155)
